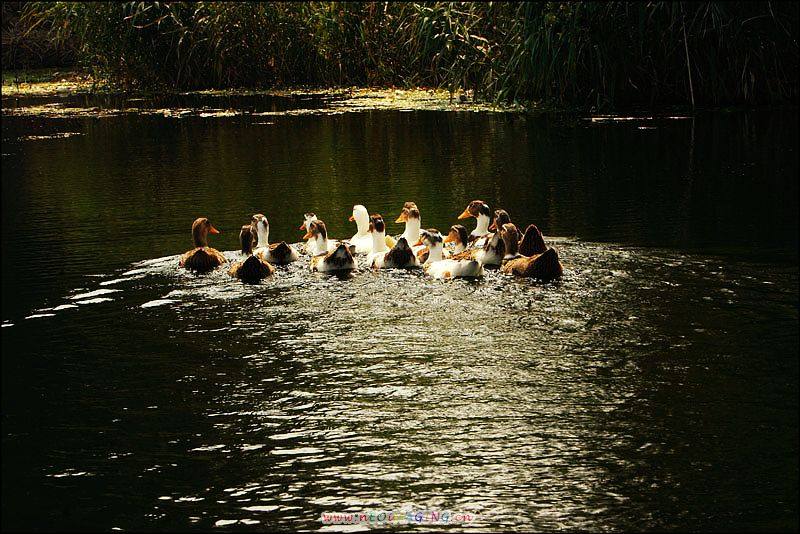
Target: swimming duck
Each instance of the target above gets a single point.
(362, 239)
(251, 269)
(276, 253)
(480, 210)
(202, 258)
(438, 267)
(400, 257)
(339, 259)
(545, 266)
(410, 216)
(532, 242)
(311, 245)
(423, 251)
(509, 233)
(501, 217)
(459, 237)
(377, 230)
(492, 252)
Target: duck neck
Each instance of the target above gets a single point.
(434, 253)
(460, 247)
(321, 244)
(482, 227)
(263, 236)
(247, 245)
(412, 229)
(200, 237)
(379, 241)
(362, 222)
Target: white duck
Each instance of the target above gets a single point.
(442, 268)
(311, 245)
(480, 210)
(340, 259)
(377, 230)
(277, 253)
(400, 257)
(410, 216)
(362, 239)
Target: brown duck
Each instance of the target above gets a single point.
(537, 260)
(252, 269)
(202, 258)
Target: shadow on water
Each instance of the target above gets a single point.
(653, 387)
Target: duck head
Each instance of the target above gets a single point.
(307, 218)
(476, 208)
(458, 235)
(319, 233)
(510, 235)
(501, 217)
(377, 227)
(246, 239)
(200, 229)
(410, 211)
(376, 223)
(480, 210)
(432, 239)
(361, 217)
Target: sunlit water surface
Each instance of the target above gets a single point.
(653, 387)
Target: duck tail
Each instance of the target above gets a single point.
(547, 266)
(532, 242)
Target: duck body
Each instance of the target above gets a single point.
(545, 266)
(455, 269)
(536, 259)
(339, 259)
(275, 253)
(202, 258)
(401, 256)
(252, 269)
(438, 267)
(492, 252)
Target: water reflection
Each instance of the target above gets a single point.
(651, 388)
(573, 405)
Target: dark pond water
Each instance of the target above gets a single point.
(654, 388)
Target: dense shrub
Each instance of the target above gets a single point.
(584, 54)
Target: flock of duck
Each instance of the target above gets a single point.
(498, 244)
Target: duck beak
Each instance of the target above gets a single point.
(352, 219)
(493, 226)
(448, 239)
(212, 229)
(303, 227)
(465, 214)
(419, 242)
(401, 218)
(308, 235)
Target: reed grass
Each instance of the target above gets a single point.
(597, 55)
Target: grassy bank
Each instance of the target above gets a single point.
(574, 54)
